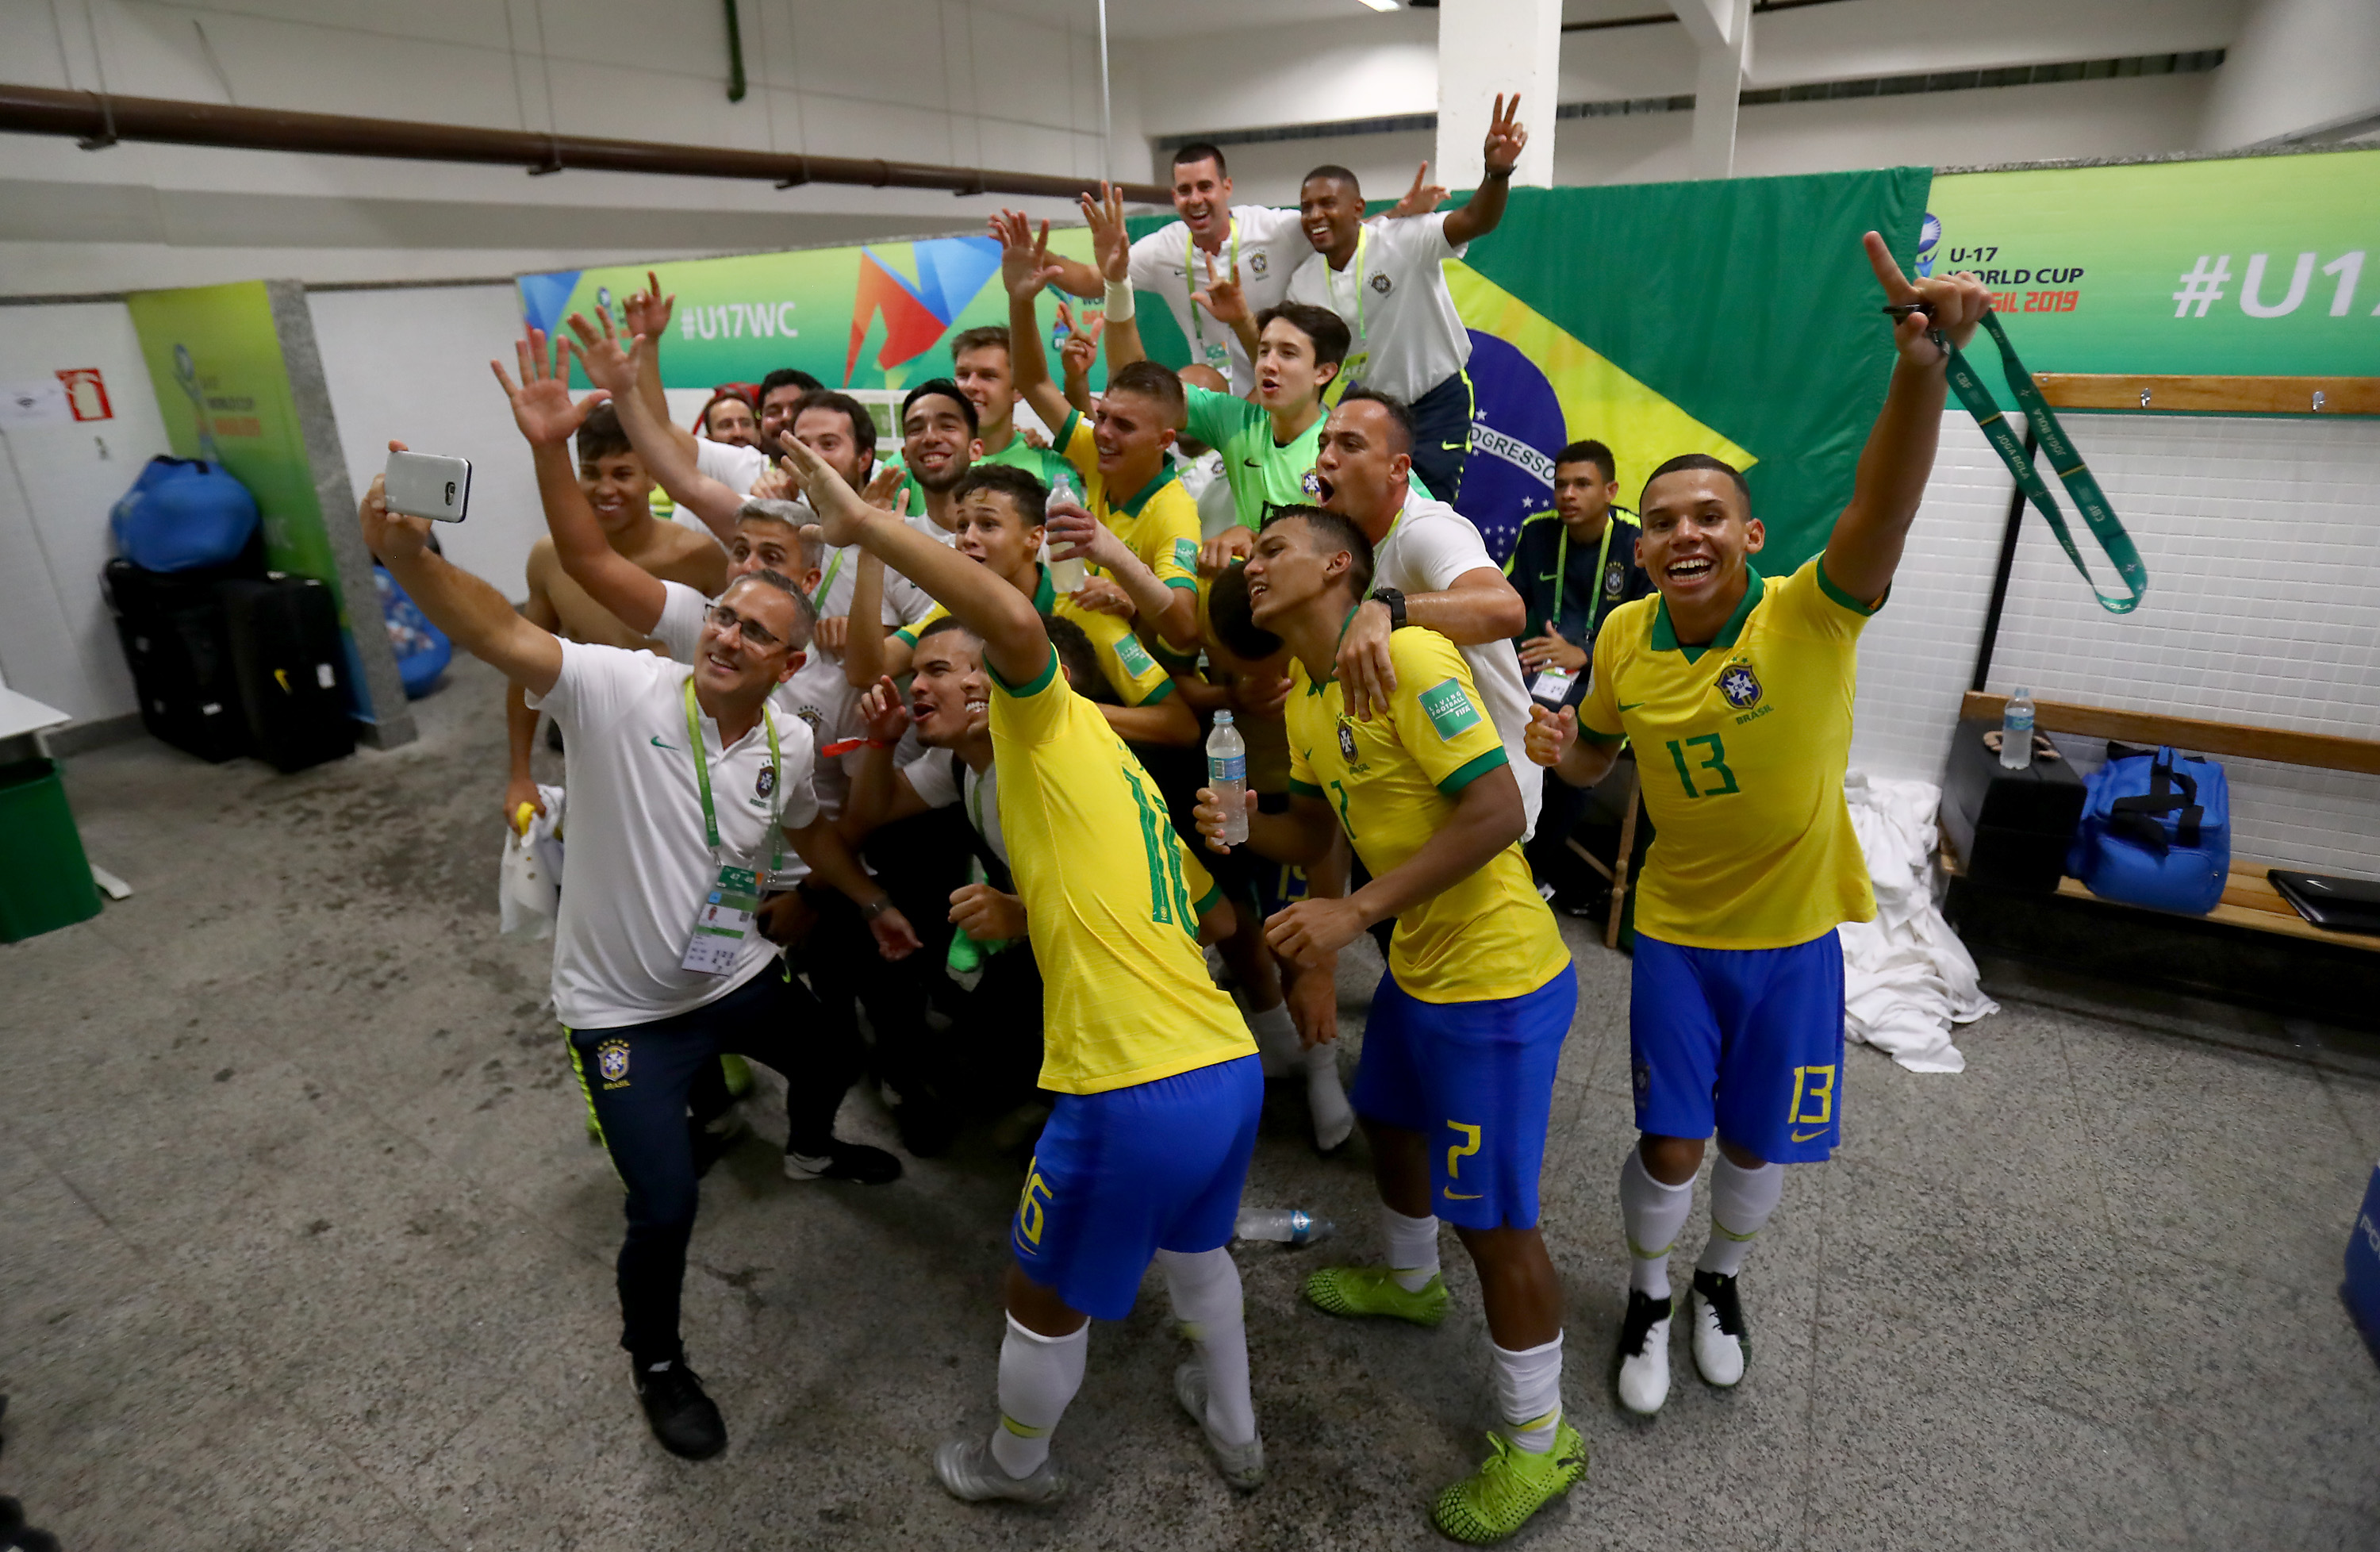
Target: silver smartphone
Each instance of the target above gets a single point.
(428, 485)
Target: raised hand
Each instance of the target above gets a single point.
(840, 513)
(648, 312)
(390, 535)
(774, 483)
(883, 712)
(1421, 199)
(1955, 304)
(611, 364)
(1222, 298)
(1550, 734)
(1081, 351)
(541, 403)
(883, 490)
(1506, 137)
(1110, 245)
(1025, 266)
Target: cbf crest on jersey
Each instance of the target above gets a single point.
(768, 781)
(1615, 576)
(612, 1062)
(1741, 685)
(1258, 261)
(1380, 283)
(1312, 485)
(1346, 741)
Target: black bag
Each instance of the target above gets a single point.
(177, 642)
(2010, 828)
(292, 667)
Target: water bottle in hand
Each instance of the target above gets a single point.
(1288, 1225)
(2016, 731)
(1065, 577)
(1227, 776)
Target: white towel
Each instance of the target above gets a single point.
(1906, 977)
(529, 891)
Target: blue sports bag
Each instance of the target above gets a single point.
(2156, 830)
(183, 513)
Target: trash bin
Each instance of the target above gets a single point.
(44, 879)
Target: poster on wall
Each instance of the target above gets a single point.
(1737, 319)
(2250, 266)
(871, 316)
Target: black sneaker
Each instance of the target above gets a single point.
(844, 1161)
(685, 1420)
(1722, 1346)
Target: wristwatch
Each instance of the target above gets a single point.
(1396, 603)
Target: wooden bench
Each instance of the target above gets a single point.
(2249, 899)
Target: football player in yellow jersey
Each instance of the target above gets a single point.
(1736, 690)
(1157, 1077)
(1456, 1079)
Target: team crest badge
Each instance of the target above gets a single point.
(612, 1061)
(1258, 262)
(1615, 576)
(814, 718)
(1380, 283)
(1740, 687)
(1346, 741)
(1312, 484)
(768, 781)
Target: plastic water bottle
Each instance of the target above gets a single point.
(1066, 576)
(1288, 1225)
(1227, 775)
(2016, 731)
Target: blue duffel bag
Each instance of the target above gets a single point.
(2156, 830)
(183, 513)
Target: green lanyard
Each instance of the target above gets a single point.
(1562, 570)
(1190, 277)
(2071, 471)
(702, 780)
(818, 599)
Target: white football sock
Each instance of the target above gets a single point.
(1334, 1118)
(1278, 1046)
(1412, 1248)
(1205, 1289)
(1528, 1394)
(1742, 1200)
(1038, 1375)
(1652, 1213)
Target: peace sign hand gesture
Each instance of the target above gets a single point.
(1953, 304)
(1505, 137)
(1222, 298)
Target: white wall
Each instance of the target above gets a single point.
(2299, 66)
(2263, 591)
(57, 641)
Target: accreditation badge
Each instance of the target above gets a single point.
(1219, 356)
(723, 923)
(1552, 686)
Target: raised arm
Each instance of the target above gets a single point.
(869, 651)
(880, 794)
(1025, 269)
(547, 419)
(1076, 535)
(474, 616)
(1079, 354)
(1013, 640)
(1893, 468)
(1505, 138)
(648, 313)
(1553, 742)
(616, 368)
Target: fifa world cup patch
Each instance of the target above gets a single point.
(1134, 655)
(1448, 708)
(1186, 554)
(612, 1062)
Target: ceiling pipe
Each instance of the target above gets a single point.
(98, 121)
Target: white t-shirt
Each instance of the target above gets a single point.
(1408, 338)
(931, 774)
(1430, 545)
(816, 694)
(639, 865)
(1269, 243)
(738, 469)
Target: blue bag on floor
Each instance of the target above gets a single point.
(182, 514)
(422, 648)
(2361, 1288)
(2156, 830)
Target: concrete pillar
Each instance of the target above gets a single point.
(1722, 34)
(2299, 70)
(1491, 46)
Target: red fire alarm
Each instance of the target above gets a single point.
(85, 394)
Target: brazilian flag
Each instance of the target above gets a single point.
(1737, 318)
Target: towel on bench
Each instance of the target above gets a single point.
(1907, 979)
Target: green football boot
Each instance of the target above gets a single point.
(1375, 1291)
(1509, 1486)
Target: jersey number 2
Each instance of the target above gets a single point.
(1716, 762)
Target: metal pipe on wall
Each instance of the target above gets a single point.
(99, 121)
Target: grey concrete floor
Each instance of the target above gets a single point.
(304, 1246)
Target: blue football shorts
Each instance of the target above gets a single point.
(1119, 1176)
(1476, 1080)
(1747, 1040)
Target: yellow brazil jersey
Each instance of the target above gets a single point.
(1137, 677)
(1109, 898)
(1159, 523)
(1741, 748)
(1393, 781)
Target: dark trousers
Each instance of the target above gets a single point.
(637, 1080)
(1443, 436)
(994, 1049)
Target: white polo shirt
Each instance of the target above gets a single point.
(1408, 338)
(940, 779)
(1270, 245)
(639, 865)
(738, 469)
(1427, 548)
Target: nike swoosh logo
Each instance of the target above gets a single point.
(1252, 462)
(1626, 705)
(1465, 1195)
(671, 747)
(1805, 1137)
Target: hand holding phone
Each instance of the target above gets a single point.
(428, 485)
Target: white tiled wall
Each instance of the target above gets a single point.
(2263, 607)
